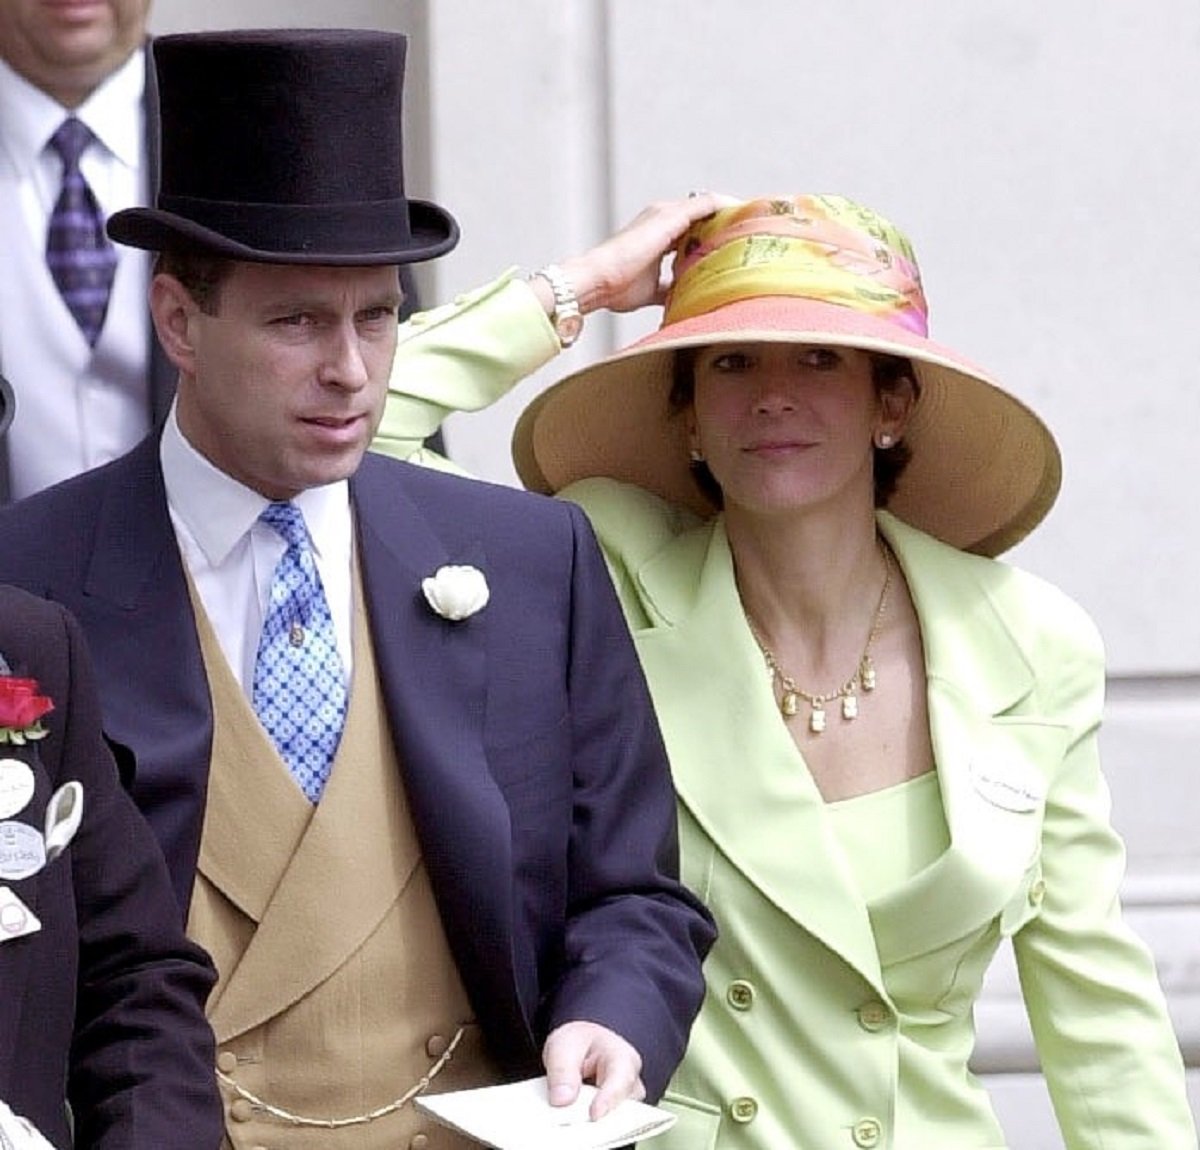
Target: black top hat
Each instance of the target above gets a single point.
(284, 146)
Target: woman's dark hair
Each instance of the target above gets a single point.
(886, 373)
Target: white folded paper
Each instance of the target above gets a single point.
(519, 1117)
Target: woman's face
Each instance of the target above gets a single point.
(784, 427)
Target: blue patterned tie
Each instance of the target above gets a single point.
(299, 686)
(81, 258)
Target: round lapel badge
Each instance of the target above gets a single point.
(16, 787)
(22, 851)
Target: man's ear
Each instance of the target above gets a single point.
(174, 312)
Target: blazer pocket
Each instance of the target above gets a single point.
(697, 1124)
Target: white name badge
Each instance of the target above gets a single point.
(1012, 787)
(16, 787)
(22, 851)
(16, 919)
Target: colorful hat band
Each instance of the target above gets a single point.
(796, 255)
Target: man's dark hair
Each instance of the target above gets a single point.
(200, 272)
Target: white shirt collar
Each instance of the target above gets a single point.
(29, 117)
(218, 511)
(106, 111)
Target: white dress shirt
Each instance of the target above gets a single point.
(231, 557)
(77, 406)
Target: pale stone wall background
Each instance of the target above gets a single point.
(1042, 156)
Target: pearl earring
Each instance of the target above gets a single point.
(695, 455)
(884, 440)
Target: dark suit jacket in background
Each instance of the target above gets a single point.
(532, 759)
(109, 977)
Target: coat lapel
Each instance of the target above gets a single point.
(744, 782)
(17, 953)
(433, 675)
(141, 631)
(989, 743)
(734, 776)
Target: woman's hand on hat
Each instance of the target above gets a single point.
(625, 271)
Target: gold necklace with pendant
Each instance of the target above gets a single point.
(862, 680)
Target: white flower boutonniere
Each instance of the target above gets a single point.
(456, 592)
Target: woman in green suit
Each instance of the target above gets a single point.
(884, 741)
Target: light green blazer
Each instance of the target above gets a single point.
(832, 1023)
(828, 1022)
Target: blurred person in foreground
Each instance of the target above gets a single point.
(102, 1000)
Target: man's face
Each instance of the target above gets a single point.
(68, 47)
(283, 387)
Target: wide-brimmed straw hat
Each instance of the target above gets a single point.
(284, 146)
(816, 269)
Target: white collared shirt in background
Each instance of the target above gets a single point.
(231, 557)
(77, 407)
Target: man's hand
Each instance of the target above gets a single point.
(585, 1051)
(625, 271)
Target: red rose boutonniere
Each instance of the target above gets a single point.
(21, 710)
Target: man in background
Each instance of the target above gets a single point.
(77, 127)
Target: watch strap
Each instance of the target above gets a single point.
(567, 319)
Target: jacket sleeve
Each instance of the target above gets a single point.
(1098, 1014)
(141, 1065)
(463, 356)
(635, 937)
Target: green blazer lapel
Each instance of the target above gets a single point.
(990, 745)
(736, 768)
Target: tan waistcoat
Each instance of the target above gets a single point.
(337, 990)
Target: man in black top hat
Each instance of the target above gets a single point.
(389, 726)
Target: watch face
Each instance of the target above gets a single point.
(568, 328)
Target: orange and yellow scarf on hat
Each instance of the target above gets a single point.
(825, 248)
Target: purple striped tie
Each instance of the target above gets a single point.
(82, 260)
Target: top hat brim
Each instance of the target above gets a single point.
(392, 232)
